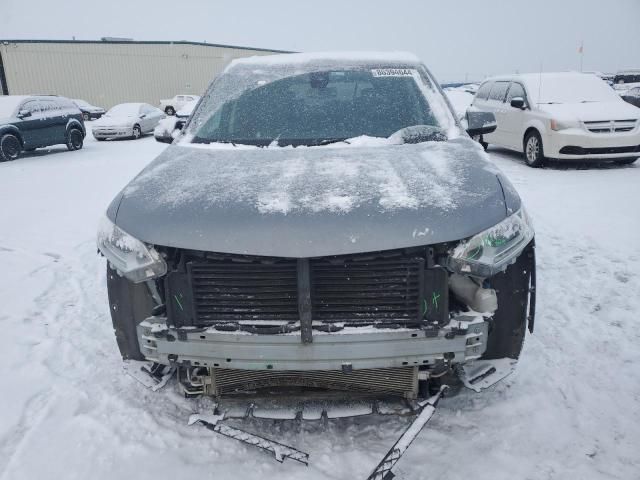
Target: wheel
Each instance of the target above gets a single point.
(170, 111)
(85, 117)
(137, 133)
(533, 152)
(480, 140)
(625, 161)
(10, 147)
(75, 139)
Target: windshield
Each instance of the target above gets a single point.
(320, 107)
(8, 105)
(124, 110)
(82, 103)
(574, 89)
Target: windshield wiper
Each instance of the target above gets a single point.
(328, 141)
(419, 134)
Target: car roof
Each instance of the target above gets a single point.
(371, 59)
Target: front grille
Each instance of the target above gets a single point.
(611, 126)
(400, 381)
(228, 290)
(364, 289)
(385, 287)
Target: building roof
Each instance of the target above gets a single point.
(141, 42)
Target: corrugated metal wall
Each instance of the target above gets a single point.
(105, 73)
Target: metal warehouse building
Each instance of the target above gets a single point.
(106, 73)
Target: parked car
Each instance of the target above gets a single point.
(172, 105)
(567, 116)
(127, 120)
(632, 96)
(34, 121)
(89, 112)
(627, 76)
(169, 127)
(381, 252)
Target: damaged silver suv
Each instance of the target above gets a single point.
(323, 223)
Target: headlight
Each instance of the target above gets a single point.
(563, 124)
(128, 255)
(491, 251)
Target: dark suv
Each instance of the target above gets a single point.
(30, 122)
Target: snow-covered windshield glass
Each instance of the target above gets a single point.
(82, 104)
(319, 107)
(124, 110)
(8, 105)
(573, 89)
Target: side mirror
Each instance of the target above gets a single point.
(518, 102)
(480, 123)
(24, 113)
(144, 115)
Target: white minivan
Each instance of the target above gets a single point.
(566, 116)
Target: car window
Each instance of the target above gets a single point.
(180, 98)
(49, 107)
(483, 91)
(515, 90)
(147, 109)
(498, 91)
(32, 106)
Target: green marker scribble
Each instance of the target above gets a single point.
(434, 299)
(178, 302)
(425, 307)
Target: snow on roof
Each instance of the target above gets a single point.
(125, 109)
(390, 58)
(562, 87)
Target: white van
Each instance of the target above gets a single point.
(567, 116)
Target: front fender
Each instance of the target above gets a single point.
(73, 122)
(13, 130)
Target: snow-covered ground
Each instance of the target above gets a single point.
(571, 410)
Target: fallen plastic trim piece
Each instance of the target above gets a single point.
(279, 450)
(151, 375)
(383, 470)
(482, 374)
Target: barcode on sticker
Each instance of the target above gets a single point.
(392, 72)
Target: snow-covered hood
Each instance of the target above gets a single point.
(307, 202)
(592, 111)
(119, 121)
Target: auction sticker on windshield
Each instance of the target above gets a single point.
(392, 72)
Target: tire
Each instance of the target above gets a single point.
(625, 161)
(170, 111)
(533, 150)
(75, 139)
(509, 324)
(86, 117)
(137, 132)
(10, 147)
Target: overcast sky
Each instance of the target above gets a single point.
(456, 39)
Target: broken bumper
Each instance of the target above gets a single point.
(462, 340)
